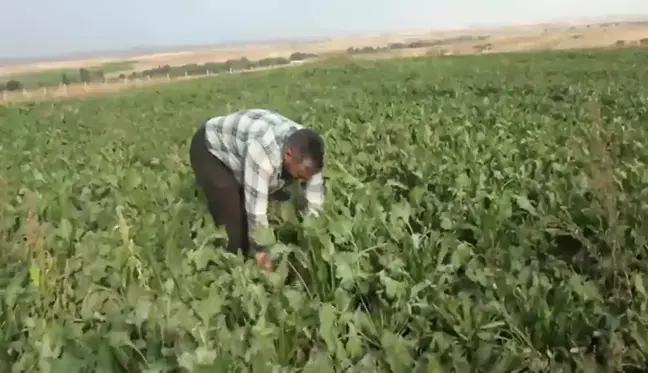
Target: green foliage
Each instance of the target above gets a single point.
(13, 85)
(53, 78)
(84, 75)
(216, 67)
(300, 56)
(484, 214)
(416, 44)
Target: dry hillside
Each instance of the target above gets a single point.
(548, 36)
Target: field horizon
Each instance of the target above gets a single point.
(65, 79)
(576, 34)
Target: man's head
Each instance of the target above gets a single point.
(303, 154)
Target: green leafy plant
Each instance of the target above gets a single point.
(484, 214)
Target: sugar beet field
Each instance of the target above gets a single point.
(484, 214)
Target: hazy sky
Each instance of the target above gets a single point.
(40, 28)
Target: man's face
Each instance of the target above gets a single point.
(300, 168)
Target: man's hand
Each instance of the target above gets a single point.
(263, 261)
(281, 195)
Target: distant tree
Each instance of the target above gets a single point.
(65, 79)
(397, 46)
(13, 85)
(419, 44)
(273, 61)
(84, 75)
(240, 64)
(99, 74)
(162, 71)
(194, 69)
(299, 56)
(643, 41)
(214, 67)
(177, 71)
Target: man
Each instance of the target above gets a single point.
(242, 158)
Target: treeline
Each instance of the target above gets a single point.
(97, 76)
(642, 42)
(84, 76)
(240, 64)
(415, 44)
(48, 79)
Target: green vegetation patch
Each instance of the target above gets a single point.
(52, 78)
(484, 214)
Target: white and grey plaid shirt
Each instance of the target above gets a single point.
(251, 143)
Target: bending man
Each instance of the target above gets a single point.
(240, 159)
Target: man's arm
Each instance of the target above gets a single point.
(314, 193)
(256, 180)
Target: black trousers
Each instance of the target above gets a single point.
(225, 198)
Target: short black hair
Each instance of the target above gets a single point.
(309, 144)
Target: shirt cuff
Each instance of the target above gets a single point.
(254, 248)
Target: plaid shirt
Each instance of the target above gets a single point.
(251, 144)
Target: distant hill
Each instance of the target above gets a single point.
(143, 50)
(638, 20)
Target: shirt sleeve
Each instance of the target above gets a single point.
(314, 193)
(256, 179)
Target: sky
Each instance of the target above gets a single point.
(46, 28)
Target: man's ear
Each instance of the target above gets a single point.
(288, 154)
